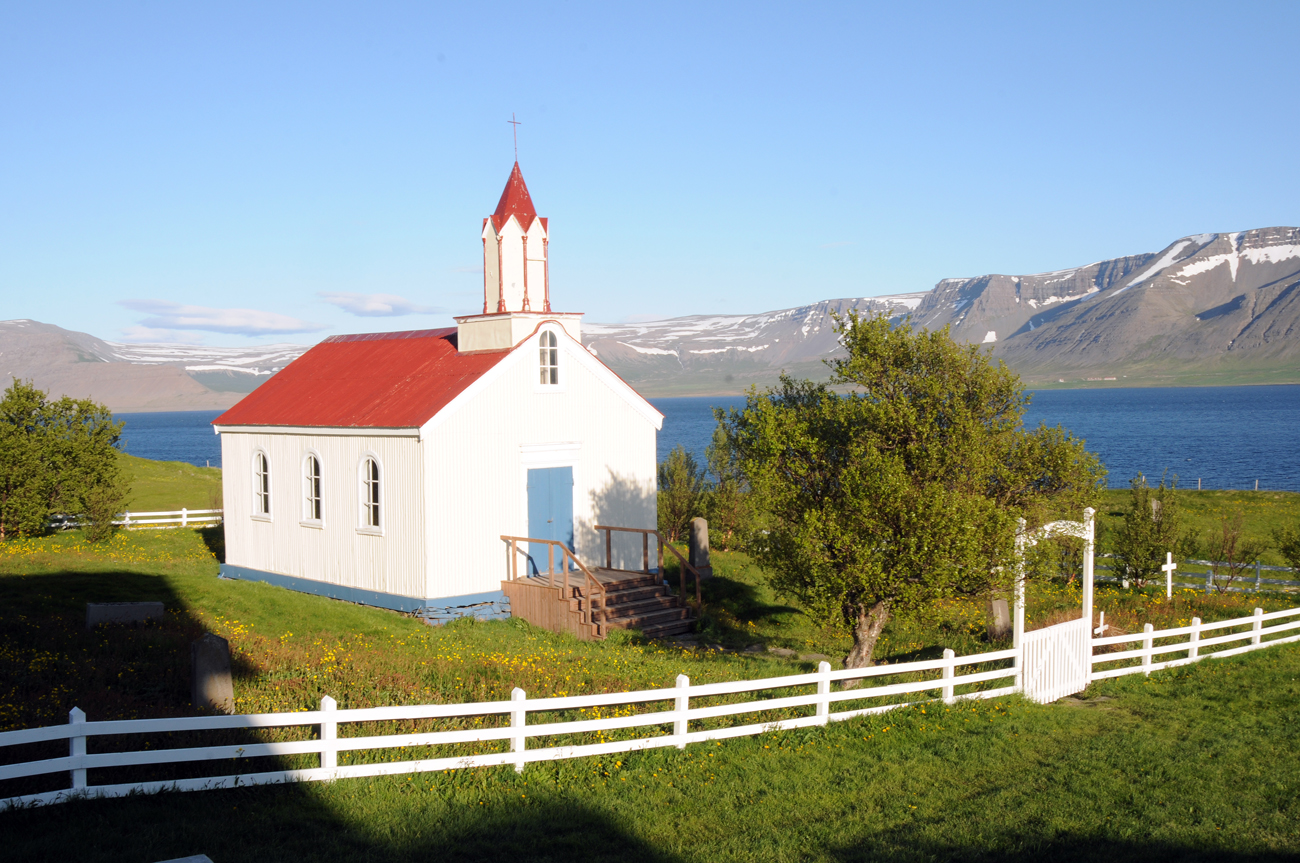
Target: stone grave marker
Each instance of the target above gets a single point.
(211, 687)
(698, 554)
(999, 619)
(98, 613)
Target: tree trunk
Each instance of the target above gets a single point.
(871, 622)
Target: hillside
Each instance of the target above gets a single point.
(131, 378)
(1211, 308)
(1207, 309)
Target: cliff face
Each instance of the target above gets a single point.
(1211, 308)
(1211, 304)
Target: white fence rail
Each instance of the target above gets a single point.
(1251, 580)
(169, 518)
(1190, 640)
(674, 723)
(673, 720)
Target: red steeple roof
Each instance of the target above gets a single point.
(515, 201)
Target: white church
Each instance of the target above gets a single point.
(384, 468)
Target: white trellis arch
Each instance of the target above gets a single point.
(1055, 661)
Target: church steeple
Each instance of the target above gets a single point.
(515, 273)
(516, 278)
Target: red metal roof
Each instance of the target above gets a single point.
(376, 380)
(515, 201)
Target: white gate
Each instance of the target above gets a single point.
(1056, 660)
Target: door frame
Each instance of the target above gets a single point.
(540, 455)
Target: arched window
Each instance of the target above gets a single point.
(370, 493)
(550, 358)
(261, 484)
(311, 509)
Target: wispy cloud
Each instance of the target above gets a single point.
(837, 244)
(245, 322)
(150, 335)
(376, 305)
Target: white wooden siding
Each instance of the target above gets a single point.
(336, 553)
(475, 470)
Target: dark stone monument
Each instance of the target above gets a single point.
(999, 618)
(698, 555)
(210, 668)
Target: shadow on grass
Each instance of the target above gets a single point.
(730, 604)
(214, 538)
(294, 823)
(50, 663)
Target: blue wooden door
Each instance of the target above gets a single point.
(550, 512)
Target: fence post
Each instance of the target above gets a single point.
(824, 692)
(1018, 617)
(1193, 649)
(76, 749)
(1257, 580)
(329, 731)
(949, 669)
(185, 517)
(1209, 579)
(518, 721)
(681, 704)
(1258, 627)
(1147, 642)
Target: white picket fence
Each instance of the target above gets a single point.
(150, 520)
(675, 720)
(1190, 640)
(1038, 675)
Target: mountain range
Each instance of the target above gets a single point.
(1209, 308)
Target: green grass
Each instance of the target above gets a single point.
(162, 486)
(1195, 763)
(1201, 763)
(1263, 512)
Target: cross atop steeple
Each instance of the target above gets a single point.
(515, 123)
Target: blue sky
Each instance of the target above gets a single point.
(237, 173)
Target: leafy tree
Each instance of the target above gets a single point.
(1233, 554)
(681, 483)
(905, 490)
(1152, 527)
(727, 503)
(57, 457)
(1288, 542)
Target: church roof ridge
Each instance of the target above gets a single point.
(375, 380)
(515, 201)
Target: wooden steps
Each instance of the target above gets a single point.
(632, 600)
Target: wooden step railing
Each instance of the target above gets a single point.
(645, 557)
(592, 588)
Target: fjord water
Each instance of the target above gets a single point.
(1226, 436)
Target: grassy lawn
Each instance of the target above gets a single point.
(1263, 511)
(1194, 763)
(162, 486)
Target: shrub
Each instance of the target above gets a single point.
(681, 484)
(1152, 527)
(57, 457)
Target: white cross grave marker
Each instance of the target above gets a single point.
(1169, 568)
(1101, 630)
